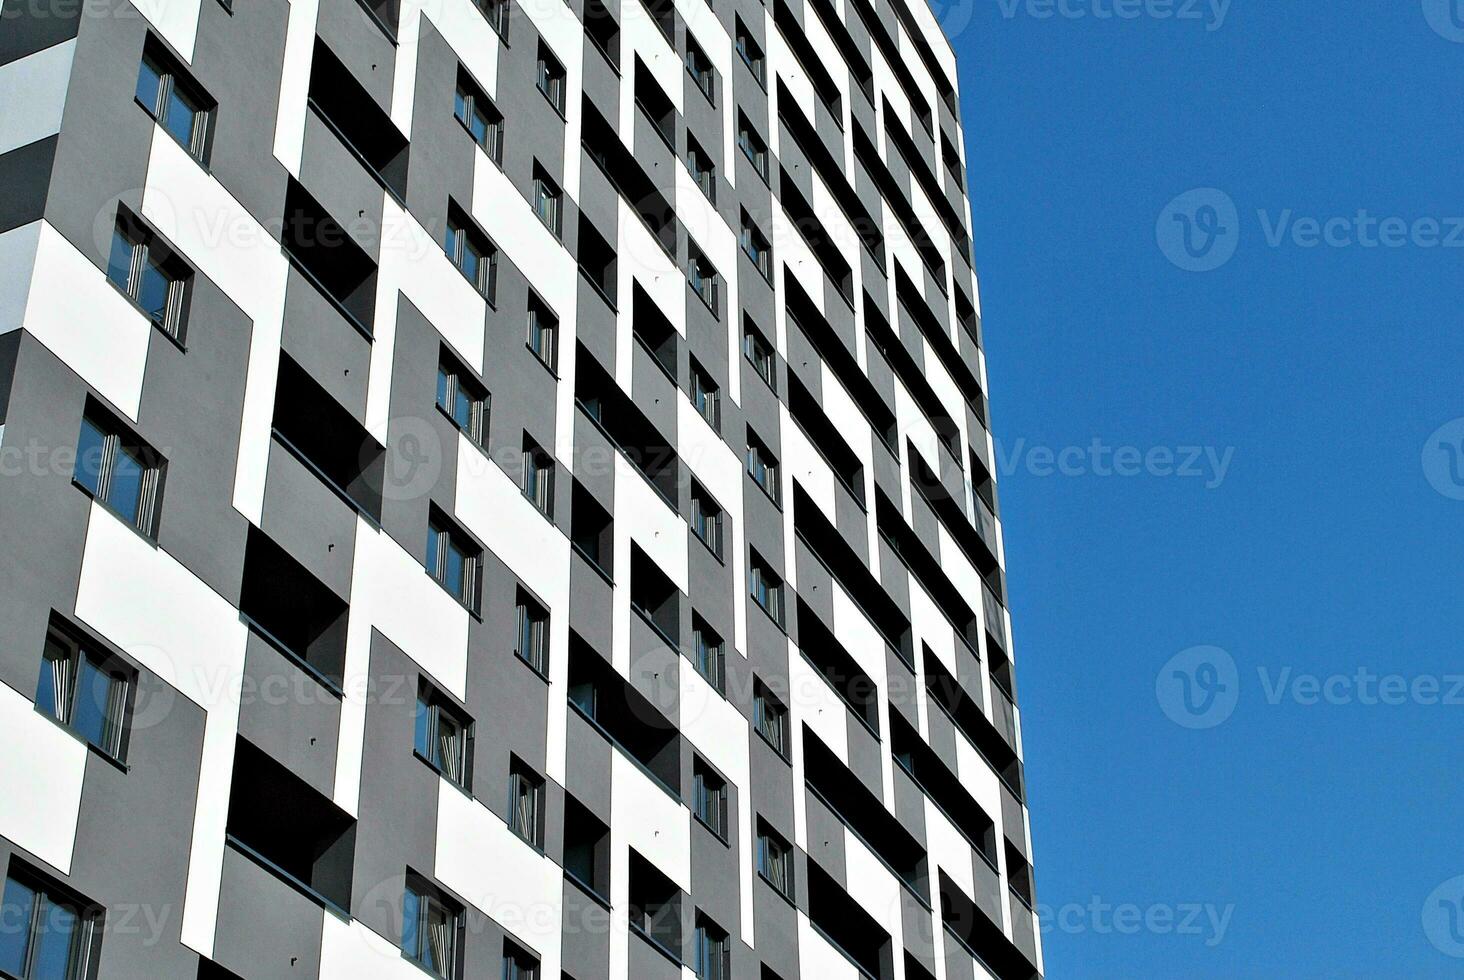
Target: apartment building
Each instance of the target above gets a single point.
(498, 489)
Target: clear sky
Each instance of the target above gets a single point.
(1305, 815)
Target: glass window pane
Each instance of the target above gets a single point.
(15, 919)
(462, 412)
(470, 262)
(53, 690)
(411, 922)
(433, 540)
(182, 117)
(90, 445)
(149, 81)
(93, 701)
(440, 939)
(444, 387)
(460, 106)
(422, 735)
(454, 576)
(119, 262)
(152, 291)
(479, 128)
(125, 488)
(55, 939)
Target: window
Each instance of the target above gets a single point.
(708, 656)
(952, 160)
(767, 589)
(706, 519)
(653, 329)
(713, 953)
(774, 860)
(551, 78)
(539, 478)
(709, 797)
(289, 828)
(543, 332)
(702, 276)
(654, 905)
(586, 847)
(752, 146)
(45, 935)
(700, 68)
(591, 531)
(526, 803)
(174, 101)
(431, 929)
(84, 690)
(601, 28)
(462, 401)
(479, 117)
(762, 467)
(655, 597)
(597, 259)
(706, 396)
(663, 12)
(474, 255)
(454, 562)
(703, 170)
(1019, 874)
(518, 963)
(770, 718)
(118, 470)
(757, 247)
(751, 52)
(497, 13)
(533, 633)
(285, 605)
(331, 260)
(655, 103)
(443, 738)
(548, 201)
(150, 275)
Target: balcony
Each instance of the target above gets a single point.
(292, 831)
(288, 608)
(975, 933)
(854, 806)
(265, 926)
(1024, 924)
(290, 714)
(326, 256)
(303, 511)
(627, 428)
(631, 722)
(995, 614)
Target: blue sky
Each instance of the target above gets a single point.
(1312, 809)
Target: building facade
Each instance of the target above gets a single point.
(497, 488)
